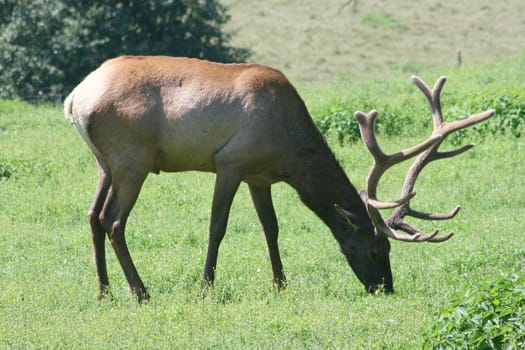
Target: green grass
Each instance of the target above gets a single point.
(47, 274)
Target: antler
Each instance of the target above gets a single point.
(427, 152)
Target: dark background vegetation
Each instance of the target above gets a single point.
(48, 46)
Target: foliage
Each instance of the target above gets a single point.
(488, 315)
(509, 119)
(48, 46)
(399, 115)
(341, 123)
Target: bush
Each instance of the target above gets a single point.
(487, 315)
(48, 46)
(395, 118)
(404, 113)
(509, 118)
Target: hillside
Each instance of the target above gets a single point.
(314, 42)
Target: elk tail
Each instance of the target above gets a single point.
(68, 106)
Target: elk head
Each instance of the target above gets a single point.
(426, 152)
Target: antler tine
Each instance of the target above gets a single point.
(413, 235)
(434, 99)
(426, 152)
(382, 161)
(427, 216)
(389, 205)
(450, 127)
(433, 96)
(446, 128)
(366, 128)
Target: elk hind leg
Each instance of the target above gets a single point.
(98, 234)
(120, 200)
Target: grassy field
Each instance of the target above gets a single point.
(324, 41)
(47, 277)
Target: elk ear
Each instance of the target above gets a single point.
(352, 219)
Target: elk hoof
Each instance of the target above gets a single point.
(280, 284)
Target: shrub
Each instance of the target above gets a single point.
(402, 115)
(48, 46)
(509, 119)
(340, 122)
(487, 315)
(395, 118)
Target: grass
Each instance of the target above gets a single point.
(315, 42)
(47, 273)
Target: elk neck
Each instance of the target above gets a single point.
(321, 183)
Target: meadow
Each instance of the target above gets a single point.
(47, 276)
(319, 42)
(343, 56)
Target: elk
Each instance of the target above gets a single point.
(245, 123)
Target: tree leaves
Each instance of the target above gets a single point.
(48, 46)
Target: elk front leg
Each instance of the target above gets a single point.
(226, 185)
(262, 200)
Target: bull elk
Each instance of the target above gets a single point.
(244, 122)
